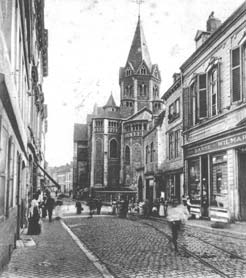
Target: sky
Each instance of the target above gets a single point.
(89, 40)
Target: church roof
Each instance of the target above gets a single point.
(110, 102)
(139, 51)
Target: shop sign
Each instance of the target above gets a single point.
(229, 142)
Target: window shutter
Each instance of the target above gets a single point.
(187, 108)
(219, 87)
(235, 71)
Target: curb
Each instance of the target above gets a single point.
(96, 262)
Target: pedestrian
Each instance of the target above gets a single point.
(34, 225)
(43, 207)
(161, 209)
(176, 215)
(98, 206)
(114, 206)
(91, 205)
(50, 204)
(78, 207)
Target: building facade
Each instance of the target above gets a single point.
(115, 133)
(23, 114)
(172, 167)
(63, 176)
(214, 103)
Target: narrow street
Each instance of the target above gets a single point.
(132, 247)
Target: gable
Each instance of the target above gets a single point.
(156, 72)
(143, 66)
(142, 115)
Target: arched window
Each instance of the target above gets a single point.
(146, 154)
(113, 148)
(155, 91)
(151, 152)
(142, 89)
(143, 70)
(128, 71)
(127, 155)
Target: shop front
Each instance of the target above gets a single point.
(174, 185)
(216, 177)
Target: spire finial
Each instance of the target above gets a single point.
(139, 2)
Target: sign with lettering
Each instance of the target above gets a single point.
(225, 143)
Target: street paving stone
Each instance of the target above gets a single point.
(131, 249)
(126, 248)
(223, 261)
(54, 255)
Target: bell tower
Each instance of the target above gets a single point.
(140, 79)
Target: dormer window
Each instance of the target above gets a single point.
(143, 70)
(128, 72)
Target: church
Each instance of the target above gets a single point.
(109, 148)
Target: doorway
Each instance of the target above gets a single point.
(242, 185)
(149, 190)
(204, 187)
(140, 189)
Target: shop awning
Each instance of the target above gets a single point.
(46, 174)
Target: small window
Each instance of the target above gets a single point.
(146, 154)
(151, 152)
(127, 155)
(143, 70)
(171, 145)
(128, 72)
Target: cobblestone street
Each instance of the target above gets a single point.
(132, 249)
(108, 246)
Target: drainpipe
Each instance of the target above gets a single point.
(18, 199)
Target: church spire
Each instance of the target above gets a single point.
(139, 51)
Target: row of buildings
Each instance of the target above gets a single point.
(63, 176)
(23, 114)
(189, 141)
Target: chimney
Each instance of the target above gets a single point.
(213, 23)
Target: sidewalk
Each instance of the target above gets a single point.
(237, 229)
(53, 253)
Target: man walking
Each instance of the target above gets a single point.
(50, 204)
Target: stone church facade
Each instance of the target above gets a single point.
(115, 133)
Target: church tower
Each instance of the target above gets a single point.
(140, 79)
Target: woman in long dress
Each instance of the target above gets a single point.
(34, 227)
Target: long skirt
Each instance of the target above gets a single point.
(34, 227)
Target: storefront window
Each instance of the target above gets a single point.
(219, 179)
(194, 180)
(171, 188)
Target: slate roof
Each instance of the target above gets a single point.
(110, 102)
(139, 51)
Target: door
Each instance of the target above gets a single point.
(242, 185)
(204, 188)
(140, 189)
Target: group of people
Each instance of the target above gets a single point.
(94, 205)
(41, 205)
